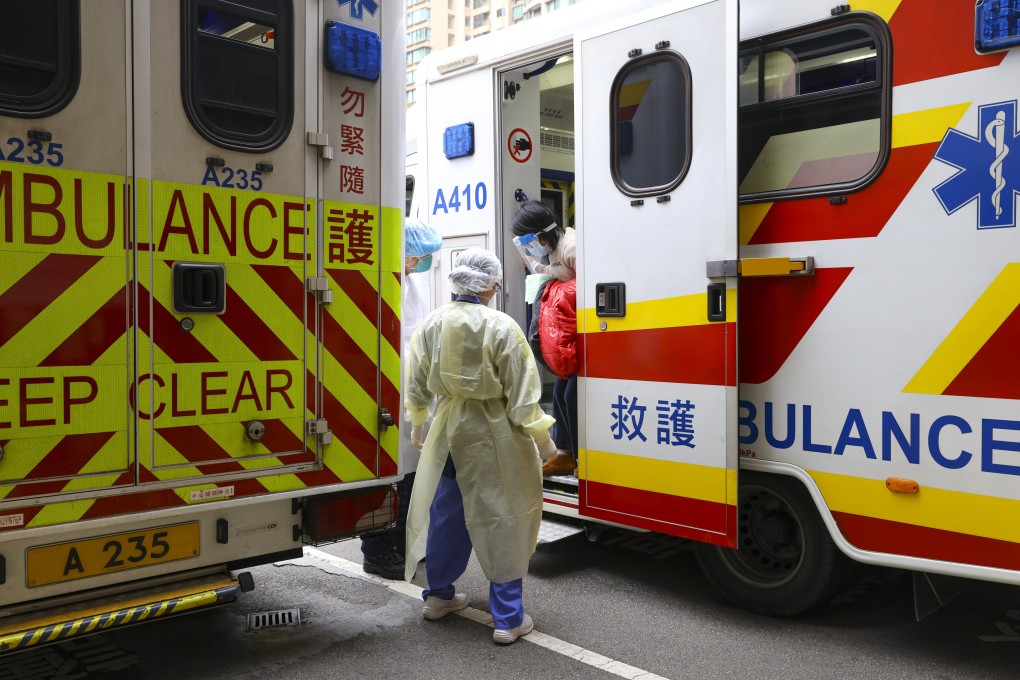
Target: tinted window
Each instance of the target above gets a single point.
(237, 71)
(814, 112)
(651, 124)
(39, 56)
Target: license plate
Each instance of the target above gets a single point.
(73, 560)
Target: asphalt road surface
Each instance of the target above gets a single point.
(630, 606)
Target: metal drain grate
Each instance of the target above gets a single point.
(274, 619)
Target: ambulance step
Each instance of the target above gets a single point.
(551, 531)
(47, 626)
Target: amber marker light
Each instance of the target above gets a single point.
(899, 485)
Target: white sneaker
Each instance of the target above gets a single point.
(436, 608)
(506, 637)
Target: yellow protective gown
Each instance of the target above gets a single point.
(477, 361)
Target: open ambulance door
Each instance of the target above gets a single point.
(657, 193)
(520, 172)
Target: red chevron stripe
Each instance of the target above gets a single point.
(354, 360)
(674, 515)
(135, 502)
(66, 459)
(917, 26)
(865, 213)
(27, 515)
(280, 439)
(321, 477)
(355, 437)
(897, 538)
(703, 354)
(994, 371)
(37, 290)
(90, 340)
(253, 331)
(766, 338)
(195, 444)
(166, 333)
(287, 286)
(367, 299)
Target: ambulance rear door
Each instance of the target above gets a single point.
(225, 238)
(657, 188)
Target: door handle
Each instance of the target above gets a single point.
(199, 288)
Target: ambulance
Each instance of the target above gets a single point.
(200, 261)
(798, 272)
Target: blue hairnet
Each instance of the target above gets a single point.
(477, 270)
(420, 239)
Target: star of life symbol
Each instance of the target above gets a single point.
(989, 169)
(358, 7)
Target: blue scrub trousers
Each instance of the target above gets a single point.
(447, 551)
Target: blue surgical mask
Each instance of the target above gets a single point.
(537, 251)
(423, 265)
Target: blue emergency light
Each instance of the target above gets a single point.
(459, 140)
(353, 51)
(996, 25)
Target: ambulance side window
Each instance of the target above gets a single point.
(237, 71)
(408, 194)
(650, 126)
(40, 57)
(814, 109)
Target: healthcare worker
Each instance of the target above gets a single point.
(479, 481)
(551, 251)
(384, 551)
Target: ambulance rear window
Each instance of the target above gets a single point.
(651, 124)
(40, 60)
(237, 71)
(814, 109)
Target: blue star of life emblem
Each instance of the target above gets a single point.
(358, 7)
(988, 165)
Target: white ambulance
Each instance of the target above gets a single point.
(200, 262)
(798, 271)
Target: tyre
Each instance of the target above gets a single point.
(785, 562)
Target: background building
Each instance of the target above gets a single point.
(435, 24)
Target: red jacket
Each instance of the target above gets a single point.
(557, 327)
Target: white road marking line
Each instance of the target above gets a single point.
(541, 639)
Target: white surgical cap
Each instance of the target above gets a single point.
(477, 271)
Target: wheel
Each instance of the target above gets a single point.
(785, 562)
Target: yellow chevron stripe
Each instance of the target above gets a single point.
(908, 129)
(15, 468)
(348, 392)
(966, 513)
(232, 439)
(685, 310)
(972, 332)
(700, 482)
(883, 8)
(925, 127)
(632, 93)
(63, 316)
(16, 267)
(344, 464)
(391, 259)
(349, 317)
(59, 513)
(167, 455)
(751, 216)
(258, 295)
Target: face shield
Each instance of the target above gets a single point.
(532, 252)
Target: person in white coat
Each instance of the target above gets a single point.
(384, 551)
(479, 482)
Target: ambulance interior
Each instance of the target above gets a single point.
(553, 108)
